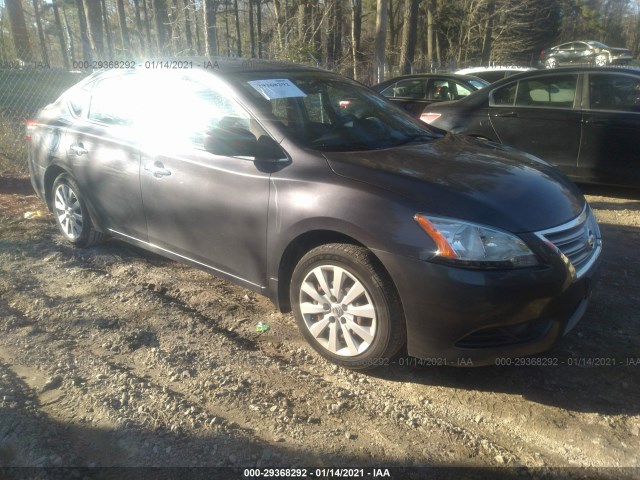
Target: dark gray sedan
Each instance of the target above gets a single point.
(583, 120)
(376, 230)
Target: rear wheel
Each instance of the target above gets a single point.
(551, 63)
(346, 306)
(71, 213)
(601, 60)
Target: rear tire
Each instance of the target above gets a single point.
(601, 60)
(347, 307)
(70, 212)
(551, 63)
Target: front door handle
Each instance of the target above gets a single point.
(158, 170)
(505, 114)
(594, 122)
(78, 149)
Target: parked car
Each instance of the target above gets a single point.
(587, 52)
(492, 74)
(584, 120)
(414, 92)
(376, 230)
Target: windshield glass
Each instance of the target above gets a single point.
(325, 112)
(478, 83)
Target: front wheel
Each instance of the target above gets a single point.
(347, 307)
(551, 63)
(601, 60)
(71, 213)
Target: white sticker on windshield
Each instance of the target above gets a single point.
(277, 88)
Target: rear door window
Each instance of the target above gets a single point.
(614, 92)
(557, 91)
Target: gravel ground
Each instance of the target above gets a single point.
(112, 356)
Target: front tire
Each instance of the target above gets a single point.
(70, 212)
(551, 63)
(602, 60)
(346, 306)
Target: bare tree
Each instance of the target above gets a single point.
(124, 32)
(356, 30)
(43, 42)
(380, 40)
(93, 13)
(409, 34)
(60, 33)
(210, 34)
(187, 25)
(19, 30)
(238, 34)
(87, 53)
(163, 26)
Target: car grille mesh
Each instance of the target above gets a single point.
(579, 241)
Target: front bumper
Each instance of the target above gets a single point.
(474, 317)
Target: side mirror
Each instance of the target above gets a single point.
(231, 142)
(268, 150)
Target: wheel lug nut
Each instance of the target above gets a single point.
(325, 306)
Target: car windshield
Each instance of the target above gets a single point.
(325, 112)
(597, 44)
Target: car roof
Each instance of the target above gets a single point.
(452, 76)
(551, 71)
(497, 68)
(219, 66)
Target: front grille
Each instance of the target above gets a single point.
(578, 240)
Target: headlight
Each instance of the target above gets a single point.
(476, 246)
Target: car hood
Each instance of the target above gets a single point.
(469, 179)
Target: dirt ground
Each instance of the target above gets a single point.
(112, 356)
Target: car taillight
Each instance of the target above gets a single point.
(430, 117)
(542, 53)
(344, 103)
(29, 126)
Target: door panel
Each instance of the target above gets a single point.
(211, 209)
(542, 120)
(609, 150)
(104, 156)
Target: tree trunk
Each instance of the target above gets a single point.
(380, 40)
(139, 28)
(259, 25)
(431, 12)
(277, 6)
(87, 53)
(147, 26)
(356, 30)
(43, 42)
(60, 31)
(210, 39)
(488, 34)
(107, 28)
(409, 33)
(93, 14)
(19, 31)
(163, 30)
(187, 25)
(252, 33)
(238, 34)
(124, 32)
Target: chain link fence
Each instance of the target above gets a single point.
(25, 88)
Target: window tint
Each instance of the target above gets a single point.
(614, 92)
(553, 91)
(191, 112)
(78, 99)
(414, 88)
(389, 91)
(505, 95)
(114, 100)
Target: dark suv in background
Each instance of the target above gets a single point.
(375, 229)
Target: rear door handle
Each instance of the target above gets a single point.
(158, 170)
(594, 122)
(505, 114)
(78, 149)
